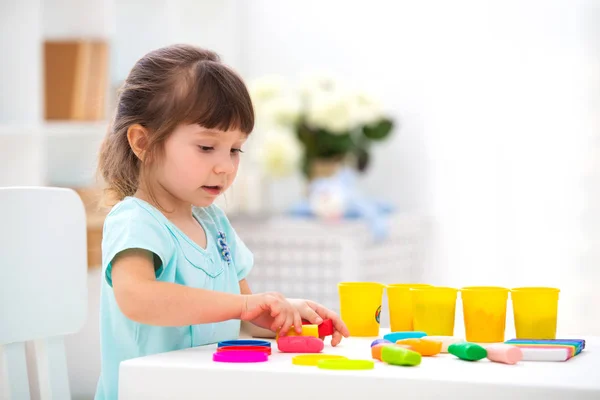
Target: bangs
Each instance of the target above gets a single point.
(217, 98)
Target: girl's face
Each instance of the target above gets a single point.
(199, 164)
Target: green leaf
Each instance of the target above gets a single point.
(330, 145)
(378, 131)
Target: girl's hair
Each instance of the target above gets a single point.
(167, 87)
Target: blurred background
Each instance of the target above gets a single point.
(451, 143)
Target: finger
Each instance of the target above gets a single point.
(311, 315)
(326, 313)
(289, 321)
(278, 323)
(340, 326)
(336, 338)
(297, 321)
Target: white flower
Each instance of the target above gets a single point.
(331, 111)
(316, 85)
(281, 111)
(279, 153)
(367, 109)
(266, 88)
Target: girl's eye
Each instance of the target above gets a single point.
(236, 151)
(206, 148)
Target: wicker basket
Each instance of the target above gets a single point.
(307, 258)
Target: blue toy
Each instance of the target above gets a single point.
(338, 197)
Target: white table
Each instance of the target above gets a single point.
(191, 374)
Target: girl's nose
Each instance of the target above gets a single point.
(225, 165)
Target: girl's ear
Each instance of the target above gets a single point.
(137, 136)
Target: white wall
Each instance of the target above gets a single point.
(21, 153)
(495, 101)
(21, 69)
(69, 19)
(144, 25)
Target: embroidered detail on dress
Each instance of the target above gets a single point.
(225, 253)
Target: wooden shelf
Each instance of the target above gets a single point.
(95, 222)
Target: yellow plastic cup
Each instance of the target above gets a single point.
(360, 307)
(400, 305)
(535, 311)
(433, 310)
(484, 312)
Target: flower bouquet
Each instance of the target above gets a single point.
(318, 127)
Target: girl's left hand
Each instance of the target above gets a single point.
(315, 313)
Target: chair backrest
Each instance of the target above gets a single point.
(43, 284)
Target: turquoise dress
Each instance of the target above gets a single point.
(134, 223)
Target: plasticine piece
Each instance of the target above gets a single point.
(504, 353)
(312, 359)
(424, 347)
(300, 344)
(240, 356)
(376, 350)
(395, 336)
(578, 344)
(467, 351)
(571, 349)
(244, 342)
(399, 355)
(446, 341)
(552, 353)
(345, 364)
(325, 327)
(307, 330)
(266, 349)
(379, 341)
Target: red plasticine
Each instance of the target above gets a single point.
(326, 328)
(300, 344)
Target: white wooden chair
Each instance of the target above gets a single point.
(43, 286)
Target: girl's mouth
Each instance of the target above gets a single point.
(214, 190)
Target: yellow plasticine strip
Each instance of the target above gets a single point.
(313, 359)
(307, 330)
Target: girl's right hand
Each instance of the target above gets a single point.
(283, 312)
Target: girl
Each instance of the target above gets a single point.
(175, 270)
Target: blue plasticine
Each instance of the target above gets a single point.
(395, 336)
(244, 342)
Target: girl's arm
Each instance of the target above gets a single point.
(144, 299)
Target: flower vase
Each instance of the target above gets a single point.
(323, 168)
